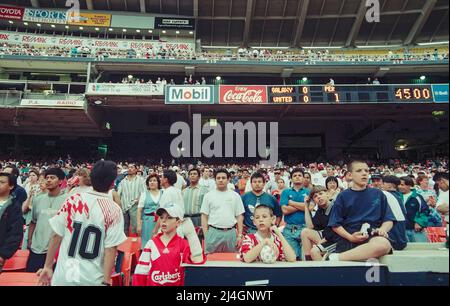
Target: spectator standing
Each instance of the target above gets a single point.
(44, 207)
(11, 221)
(130, 189)
(222, 211)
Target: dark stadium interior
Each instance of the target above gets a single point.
(224, 143)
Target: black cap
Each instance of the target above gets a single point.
(376, 176)
(391, 179)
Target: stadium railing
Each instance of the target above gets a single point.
(9, 98)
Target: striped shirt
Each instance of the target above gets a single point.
(130, 190)
(193, 199)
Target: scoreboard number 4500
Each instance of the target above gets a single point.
(413, 93)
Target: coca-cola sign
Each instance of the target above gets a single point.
(241, 94)
(7, 12)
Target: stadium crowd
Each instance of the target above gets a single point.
(310, 211)
(243, 54)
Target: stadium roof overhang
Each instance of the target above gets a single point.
(285, 23)
(57, 122)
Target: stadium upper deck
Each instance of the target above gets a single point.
(282, 23)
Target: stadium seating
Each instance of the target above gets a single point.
(117, 279)
(223, 257)
(18, 262)
(436, 234)
(128, 256)
(18, 279)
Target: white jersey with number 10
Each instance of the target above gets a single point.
(89, 223)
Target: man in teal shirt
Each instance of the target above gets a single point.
(256, 197)
(292, 203)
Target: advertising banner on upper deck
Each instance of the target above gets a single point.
(242, 94)
(8, 12)
(90, 19)
(191, 94)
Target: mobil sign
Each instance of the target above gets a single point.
(189, 94)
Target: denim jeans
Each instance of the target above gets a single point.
(292, 234)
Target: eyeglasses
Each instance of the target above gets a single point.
(277, 173)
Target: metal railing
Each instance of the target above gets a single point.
(10, 98)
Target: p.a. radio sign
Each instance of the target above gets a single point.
(189, 94)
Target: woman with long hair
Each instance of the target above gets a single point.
(147, 206)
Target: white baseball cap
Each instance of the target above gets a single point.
(172, 209)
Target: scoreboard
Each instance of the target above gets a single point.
(354, 94)
(307, 94)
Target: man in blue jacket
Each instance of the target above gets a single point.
(11, 221)
(417, 211)
(18, 192)
(394, 198)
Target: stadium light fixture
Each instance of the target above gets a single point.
(67, 27)
(401, 145)
(97, 29)
(423, 78)
(138, 31)
(98, 102)
(434, 43)
(164, 32)
(218, 78)
(39, 25)
(191, 32)
(220, 47)
(110, 29)
(378, 46)
(81, 28)
(25, 23)
(124, 30)
(322, 48)
(53, 26)
(305, 79)
(150, 31)
(177, 32)
(271, 48)
(10, 22)
(130, 76)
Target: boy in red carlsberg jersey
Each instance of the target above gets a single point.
(161, 260)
